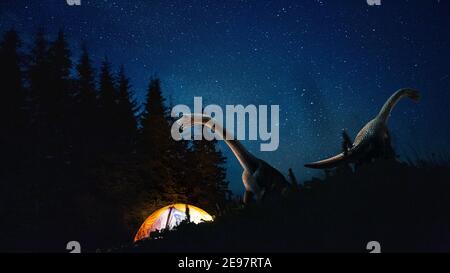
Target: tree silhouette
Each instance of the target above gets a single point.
(13, 114)
(59, 98)
(38, 81)
(157, 145)
(108, 107)
(155, 131)
(37, 67)
(76, 162)
(13, 138)
(126, 110)
(86, 119)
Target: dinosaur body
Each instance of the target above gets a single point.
(373, 139)
(259, 178)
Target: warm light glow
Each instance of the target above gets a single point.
(170, 217)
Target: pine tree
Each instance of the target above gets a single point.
(57, 98)
(108, 107)
(108, 93)
(60, 62)
(155, 135)
(41, 140)
(50, 90)
(11, 75)
(13, 137)
(38, 66)
(50, 181)
(158, 147)
(86, 94)
(13, 115)
(86, 119)
(127, 108)
(38, 81)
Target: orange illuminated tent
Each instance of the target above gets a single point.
(170, 217)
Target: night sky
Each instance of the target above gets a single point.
(330, 65)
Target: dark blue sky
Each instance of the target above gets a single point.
(328, 64)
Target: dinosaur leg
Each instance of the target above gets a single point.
(248, 197)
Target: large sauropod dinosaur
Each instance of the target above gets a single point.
(373, 138)
(259, 178)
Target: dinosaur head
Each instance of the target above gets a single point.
(412, 94)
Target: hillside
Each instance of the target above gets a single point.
(403, 206)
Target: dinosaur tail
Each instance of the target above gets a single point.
(394, 99)
(338, 159)
(246, 159)
(327, 163)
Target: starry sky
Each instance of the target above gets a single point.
(329, 64)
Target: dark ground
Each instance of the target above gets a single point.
(405, 207)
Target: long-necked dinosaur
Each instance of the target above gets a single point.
(372, 138)
(259, 178)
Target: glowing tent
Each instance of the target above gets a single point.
(170, 217)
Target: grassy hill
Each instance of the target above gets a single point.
(405, 207)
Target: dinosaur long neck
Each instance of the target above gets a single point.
(246, 159)
(385, 111)
(370, 129)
